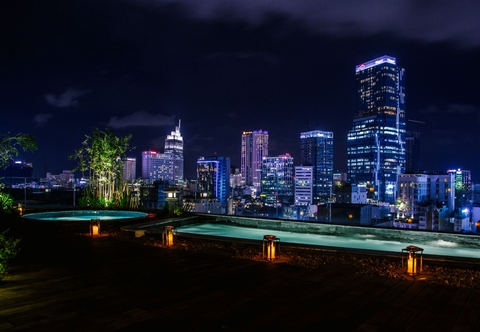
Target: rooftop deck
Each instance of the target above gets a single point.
(72, 282)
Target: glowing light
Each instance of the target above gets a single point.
(414, 256)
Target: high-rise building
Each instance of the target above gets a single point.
(277, 180)
(254, 148)
(412, 152)
(376, 142)
(316, 149)
(157, 166)
(129, 169)
(174, 148)
(303, 185)
(213, 177)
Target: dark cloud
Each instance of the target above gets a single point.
(431, 21)
(42, 119)
(141, 119)
(67, 99)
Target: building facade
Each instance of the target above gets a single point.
(316, 150)
(213, 177)
(376, 142)
(254, 148)
(157, 166)
(174, 149)
(277, 180)
(423, 189)
(412, 152)
(129, 169)
(303, 185)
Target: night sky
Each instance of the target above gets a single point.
(285, 66)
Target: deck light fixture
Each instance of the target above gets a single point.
(94, 227)
(168, 235)
(414, 257)
(271, 247)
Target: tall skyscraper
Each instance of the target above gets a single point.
(376, 142)
(213, 177)
(277, 179)
(316, 150)
(174, 148)
(254, 148)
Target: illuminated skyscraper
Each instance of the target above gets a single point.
(278, 180)
(213, 177)
(174, 148)
(254, 148)
(316, 150)
(376, 142)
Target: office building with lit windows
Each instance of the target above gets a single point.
(277, 180)
(213, 177)
(376, 142)
(316, 150)
(303, 185)
(254, 148)
(157, 166)
(174, 148)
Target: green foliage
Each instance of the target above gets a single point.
(6, 203)
(102, 156)
(9, 146)
(8, 250)
(180, 209)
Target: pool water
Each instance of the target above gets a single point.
(79, 215)
(365, 242)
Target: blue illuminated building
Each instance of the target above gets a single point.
(376, 142)
(213, 177)
(316, 149)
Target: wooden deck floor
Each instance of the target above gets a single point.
(78, 283)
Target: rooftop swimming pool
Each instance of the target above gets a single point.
(79, 215)
(434, 246)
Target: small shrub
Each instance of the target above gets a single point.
(6, 203)
(8, 250)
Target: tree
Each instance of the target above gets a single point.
(9, 146)
(102, 156)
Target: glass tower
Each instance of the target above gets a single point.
(174, 149)
(376, 142)
(278, 179)
(316, 150)
(213, 176)
(254, 148)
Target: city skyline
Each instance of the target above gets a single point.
(278, 67)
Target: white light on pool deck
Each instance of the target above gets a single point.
(368, 242)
